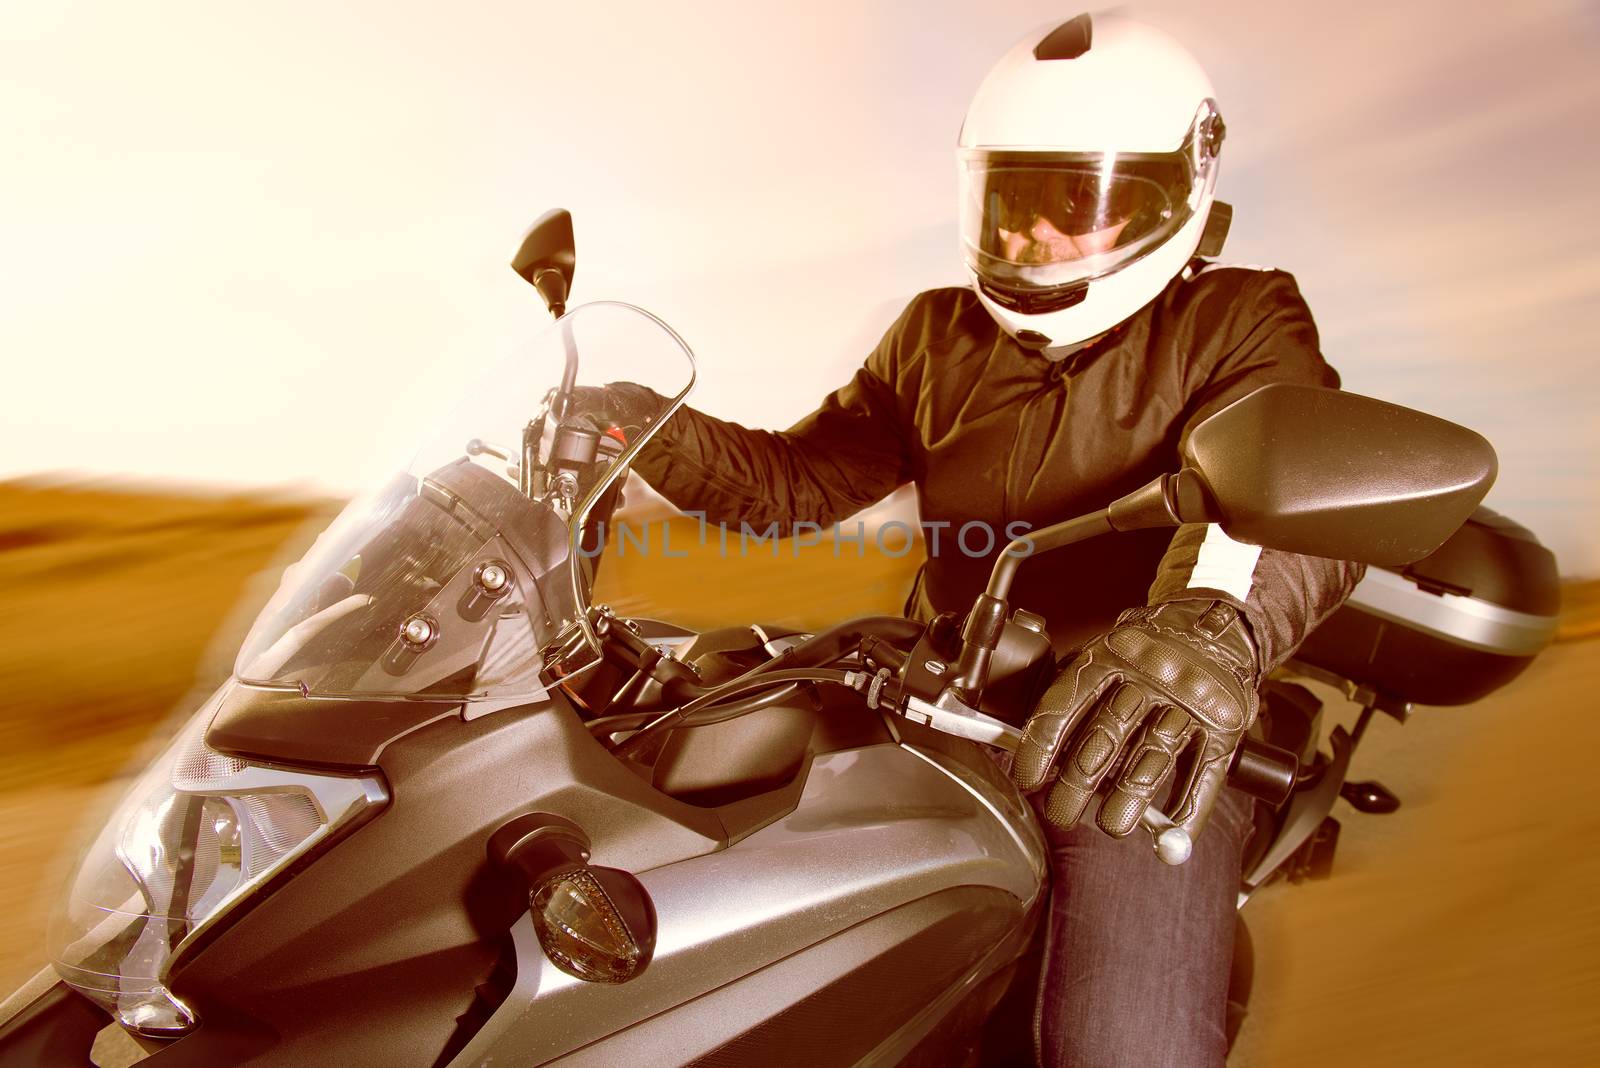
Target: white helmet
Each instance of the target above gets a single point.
(1088, 161)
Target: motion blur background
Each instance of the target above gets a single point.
(244, 250)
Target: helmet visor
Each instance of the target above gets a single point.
(1033, 222)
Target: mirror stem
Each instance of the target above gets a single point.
(979, 637)
(1189, 499)
(1011, 557)
(553, 288)
(1166, 501)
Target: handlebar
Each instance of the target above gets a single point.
(1259, 769)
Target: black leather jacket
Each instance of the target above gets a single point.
(991, 432)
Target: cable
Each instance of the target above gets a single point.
(717, 713)
(745, 683)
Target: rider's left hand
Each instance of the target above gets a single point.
(626, 405)
(1165, 679)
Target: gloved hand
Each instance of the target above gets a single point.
(1163, 678)
(627, 405)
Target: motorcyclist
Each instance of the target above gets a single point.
(1092, 338)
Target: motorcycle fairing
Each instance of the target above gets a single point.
(877, 830)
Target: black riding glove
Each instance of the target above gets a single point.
(1163, 679)
(625, 405)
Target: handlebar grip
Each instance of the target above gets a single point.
(1263, 770)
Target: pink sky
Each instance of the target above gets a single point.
(237, 239)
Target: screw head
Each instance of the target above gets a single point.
(418, 631)
(493, 578)
(934, 667)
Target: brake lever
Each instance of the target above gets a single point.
(949, 715)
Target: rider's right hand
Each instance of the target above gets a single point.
(1167, 679)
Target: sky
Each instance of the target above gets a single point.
(253, 245)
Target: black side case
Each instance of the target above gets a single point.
(1452, 627)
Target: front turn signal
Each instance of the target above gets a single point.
(597, 924)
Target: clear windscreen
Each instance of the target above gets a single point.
(449, 579)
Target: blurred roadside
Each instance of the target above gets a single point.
(119, 602)
(1470, 906)
(115, 598)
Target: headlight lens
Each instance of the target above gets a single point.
(198, 833)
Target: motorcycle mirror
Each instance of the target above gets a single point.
(548, 257)
(1327, 473)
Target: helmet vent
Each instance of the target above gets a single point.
(1067, 41)
(1037, 302)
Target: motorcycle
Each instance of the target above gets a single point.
(449, 811)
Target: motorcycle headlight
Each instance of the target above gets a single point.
(197, 834)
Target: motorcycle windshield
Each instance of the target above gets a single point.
(449, 580)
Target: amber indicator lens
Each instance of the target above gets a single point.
(583, 931)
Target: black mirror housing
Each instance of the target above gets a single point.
(548, 257)
(1327, 473)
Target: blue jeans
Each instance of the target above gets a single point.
(1138, 954)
